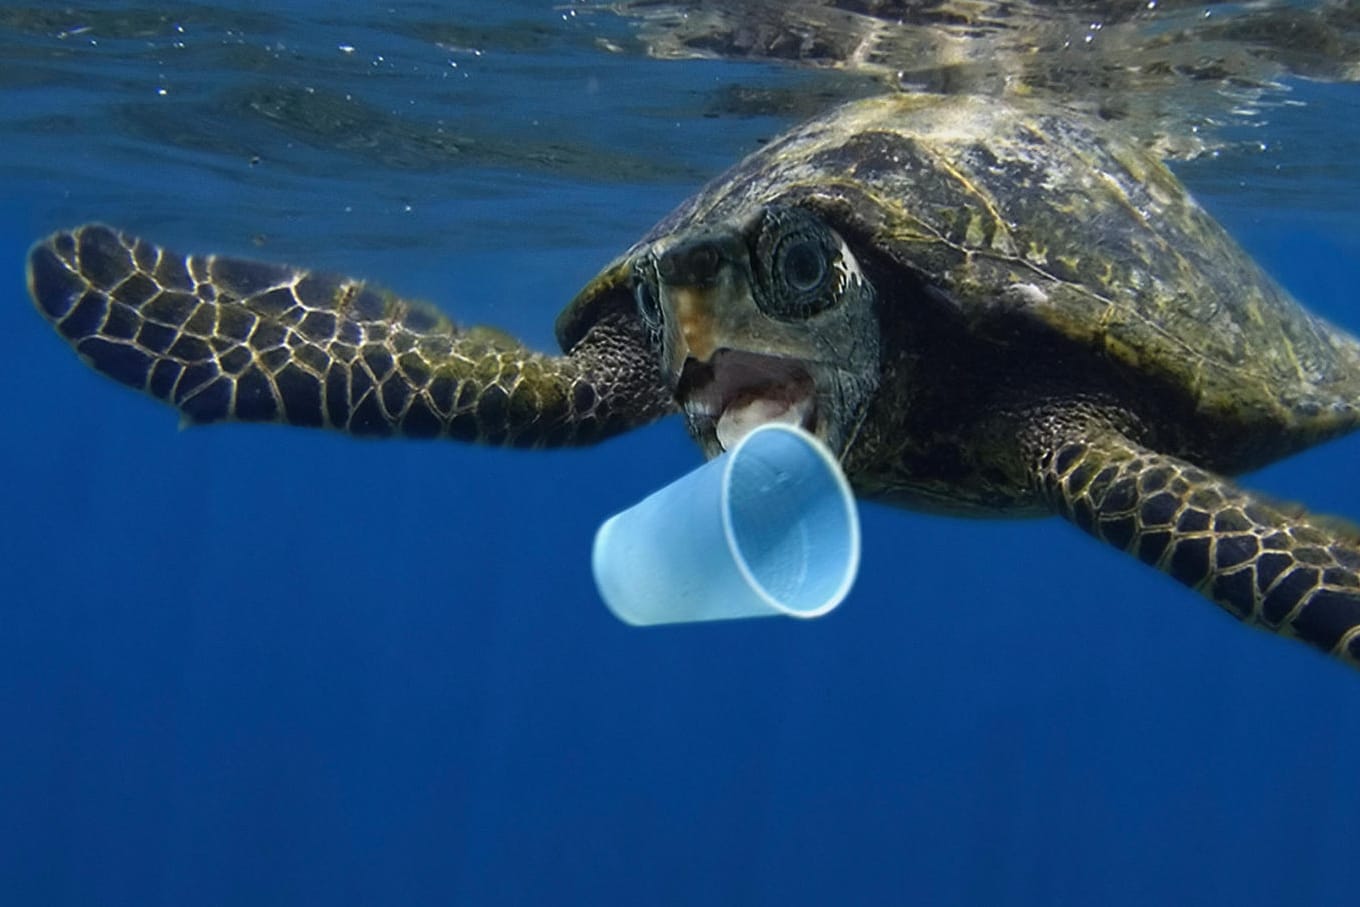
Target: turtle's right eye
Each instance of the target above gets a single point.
(649, 307)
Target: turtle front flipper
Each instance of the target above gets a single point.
(1289, 573)
(223, 339)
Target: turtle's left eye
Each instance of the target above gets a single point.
(793, 259)
(803, 263)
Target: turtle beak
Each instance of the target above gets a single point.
(733, 355)
(699, 280)
(729, 374)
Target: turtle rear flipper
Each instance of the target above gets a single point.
(1286, 571)
(225, 339)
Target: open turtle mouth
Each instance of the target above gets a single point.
(736, 392)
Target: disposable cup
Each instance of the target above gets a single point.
(769, 527)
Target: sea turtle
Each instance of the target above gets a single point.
(982, 306)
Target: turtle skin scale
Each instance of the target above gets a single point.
(1053, 326)
(223, 339)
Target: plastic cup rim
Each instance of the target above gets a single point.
(847, 500)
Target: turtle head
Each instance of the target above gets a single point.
(763, 319)
(760, 318)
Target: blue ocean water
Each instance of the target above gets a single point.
(254, 665)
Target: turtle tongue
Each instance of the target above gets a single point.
(739, 391)
(749, 411)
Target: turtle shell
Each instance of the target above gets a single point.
(1022, 213)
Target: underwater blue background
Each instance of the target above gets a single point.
(255, 665)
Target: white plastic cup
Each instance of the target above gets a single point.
(769, 527)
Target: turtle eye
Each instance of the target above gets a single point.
(649, 307)
(793, 260)
(803, 264)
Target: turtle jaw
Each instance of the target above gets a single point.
(735, 391)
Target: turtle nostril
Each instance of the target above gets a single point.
(691, 264)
